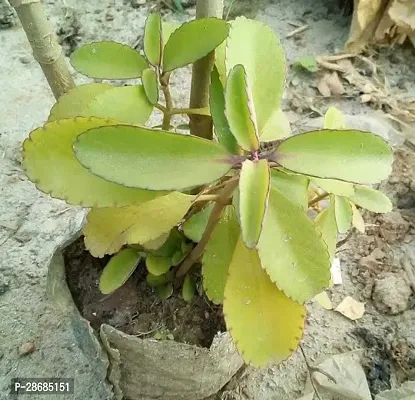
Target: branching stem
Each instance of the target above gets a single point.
(320, 197)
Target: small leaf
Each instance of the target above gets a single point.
(152, 39)
(189, 288)
(308, 62)
(192, 41)
(218, 255)
(239, 110)
(344, 214)
(334, 119)
(292, 251)
(357, 219)
(164, 291)
(294, 187)
(167, 29)
(74, 102)
(155, 281)
(326, 224)
(253, 191)
(278, 127)
(151, 89)
(108, 229)
(108, 60)
(255, 46)
(324, 300)
(157, 265)
(265, 325)
(49, 162)
(371, 199)
(157, 243)
(217, 108)
(334, 186)
(162, 160)
(158, 336)
(118, 270)
(195, 226)
(177, 258)
(171, 245)
(220, 54)
(354, 156)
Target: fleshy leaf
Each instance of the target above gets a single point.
(334, 186)
(324, 300)
(125, 104)
(344, 214)
(49, 162)
(255, 46)
(157, 265)
(108, 60)
(151, 89)
(155, 281)
(167, 29)
(326, 224)
(308, 62)
(161, 160)
(118, 270)
(171, 245)
(357, 220)
(371, 199)
(334, 119)
(292, 251)
(253, 191)
(220, 54)
(74, 102)
(192, 41)
(195, 226)
(265, 325)
(218, 255)
(108, 229)
(295, 187)
(349, 155)
(189, 288)
(277, 128)
(240, 111)
(164, 291)
(153, 38)
(217, 108)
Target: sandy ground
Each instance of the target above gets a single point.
(32, 225)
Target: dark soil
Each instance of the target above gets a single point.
(134, 308)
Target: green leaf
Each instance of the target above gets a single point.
(277, 128)
(50, 163)
(164, 291)
(294, 187)
(108, 229)
(308, 62)
(292, 251)
(220, 54)
(340, 188)
(108, 60)
(118, 270)
(157, 265)
(171, 245)
(157, 243)
(74, 102)
(326, 224)
(192, 41)
(150, 85)
(239, 110)
(334, 119)
(167, 28)
(125, 104)
(349, 155)
(357, 219)
(371, 199)
(161, 160)
(195, 226)
(253, 191)
(265, 325)
(255, 46)
(217, 109)
(189, 288)
(324, 300)
(218, 255)
(152, 39)
(344, 214)
(155, 281)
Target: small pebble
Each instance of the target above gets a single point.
(27, 348)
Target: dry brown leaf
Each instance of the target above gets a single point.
(330, 84)
(351, 308)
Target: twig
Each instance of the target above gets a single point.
(301, 29)
(190, 111)
(322, 196)
(164, 81)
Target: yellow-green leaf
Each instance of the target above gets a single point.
(152, 39)
(50, 163)
(195, 226)
(371, 199)
(150, 85)
(192, 41)
(118, 270)
(357, 220)
(189, 288)
(108, 60)
(157, 243)
(255, 46)
(265, 325)
(278, 127)
(349, 155)
(171, 245)
(253, 191)
(74, 102)
(344, 214)
(334, 119)
(157, 265)
(294, 187)
(220, 54)
(155, 281)
(218, 255)
(326, 224)
(164, 291)
(108, 229)
(292, 250)
(324, 300)
(240, 111)
(167, 29)
(334, 186)
(151, 159)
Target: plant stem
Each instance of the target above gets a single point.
(164, 81)
(221, 203)
(207, 197)
(320, 197)
(46, 50)
(202, 125)
(191, 111)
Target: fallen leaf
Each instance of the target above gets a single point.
(351, 308)
(330, 84)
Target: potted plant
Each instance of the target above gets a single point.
(229, 202)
